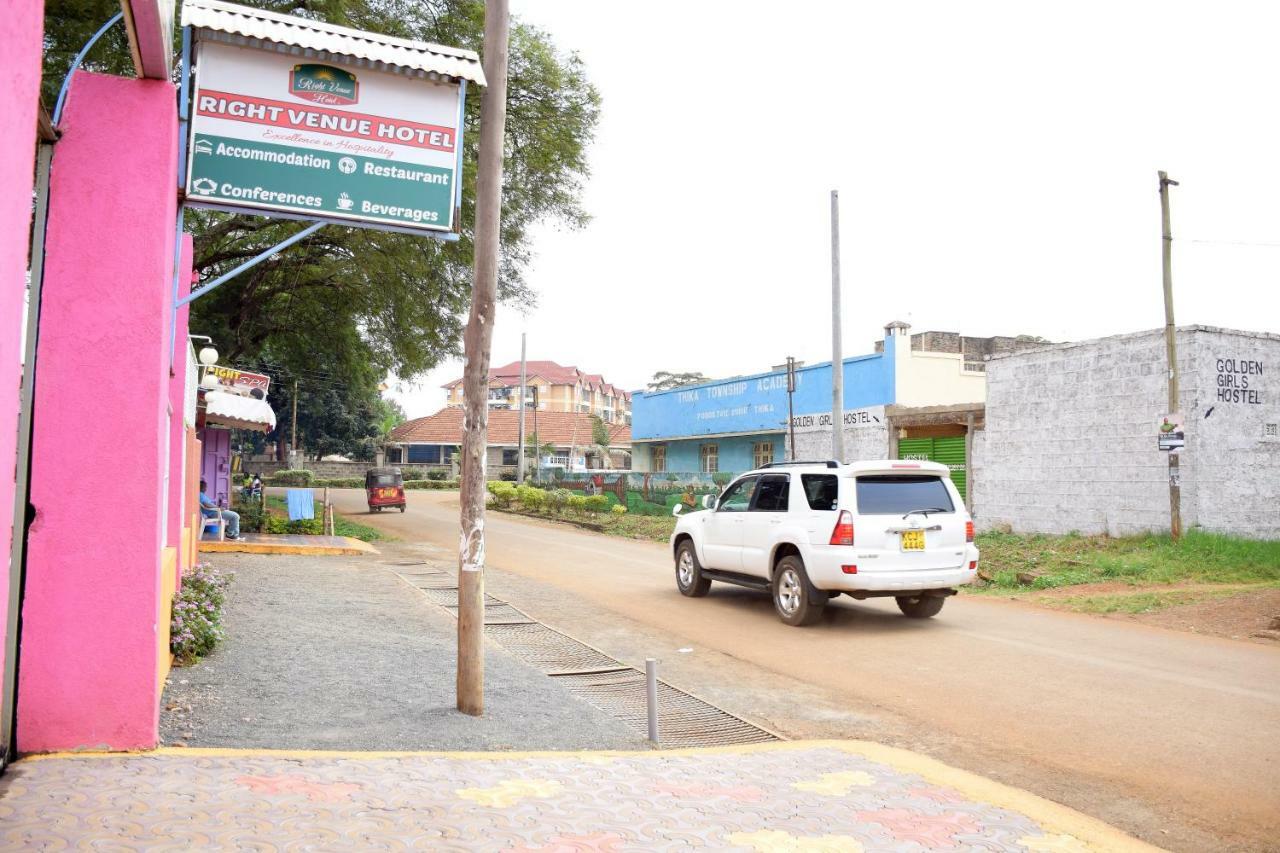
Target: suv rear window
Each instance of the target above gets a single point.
(898, 494)
(822, 490)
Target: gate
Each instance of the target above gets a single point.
(949, 451)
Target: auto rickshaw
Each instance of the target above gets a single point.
(384, 487)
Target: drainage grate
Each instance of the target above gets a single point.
(447, 596)
(499, 613)
(549, 650)
(591, 675)
(683, 720)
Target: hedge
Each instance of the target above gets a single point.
(294, 477)
(431, 484)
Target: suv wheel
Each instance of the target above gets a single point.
(689, 579)
(920, 606)
(795, 599)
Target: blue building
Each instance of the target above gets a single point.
(737, 424)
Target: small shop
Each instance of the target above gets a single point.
(229, 399)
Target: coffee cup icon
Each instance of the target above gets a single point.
(345, 202)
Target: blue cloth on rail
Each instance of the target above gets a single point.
(301, 503)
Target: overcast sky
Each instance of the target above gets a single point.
(996, 164)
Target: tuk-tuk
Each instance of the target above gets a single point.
(384, 487)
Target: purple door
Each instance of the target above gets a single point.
(215, 464)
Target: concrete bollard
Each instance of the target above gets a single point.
(651, 688)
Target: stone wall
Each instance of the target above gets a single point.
(1070, 439)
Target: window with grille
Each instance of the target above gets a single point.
(763, 454)
(658, 459)
(710, 458)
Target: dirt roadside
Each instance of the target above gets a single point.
(1150, 730)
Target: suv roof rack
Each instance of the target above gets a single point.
(830, 463)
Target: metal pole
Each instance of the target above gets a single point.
(520, 435)
(22, 484)
(791, 415)
(477, 340)
(1171, 354)
(537, 439)
(651, 694)
(293, 430)
(837, 356)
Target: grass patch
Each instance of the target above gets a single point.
(278, 522)
(1049, 562)
(1144, 601)
(651, 528)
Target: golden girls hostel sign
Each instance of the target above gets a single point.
(321, 139)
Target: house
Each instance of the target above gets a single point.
(558, 389)
(435, 439)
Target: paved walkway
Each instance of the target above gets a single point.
(340, 653)
(808, 796)
(287, 543)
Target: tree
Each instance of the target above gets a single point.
(664, 380)
(600, 438)
(369, 303)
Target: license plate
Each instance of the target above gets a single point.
(913, 540)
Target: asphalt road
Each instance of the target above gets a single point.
(1173, 736)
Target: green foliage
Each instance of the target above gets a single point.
(437, 474)
(531, 498)
(597, 503)
(504, 493)
(509, 476)
(437, 485)
(196, 623)
(252, 516)
(341, 483)
(578, 503)
(282, 524)
(599, 432)
(410, 473)
(558, 500)
(292, 477)
(619, 509)
(721, 478)
(665, 380)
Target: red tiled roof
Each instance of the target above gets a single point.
(558, 428)
(550, 371)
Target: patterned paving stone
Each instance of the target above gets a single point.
(775, 798)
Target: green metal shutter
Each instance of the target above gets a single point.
(949, 451)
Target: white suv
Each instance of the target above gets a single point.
(808, 531)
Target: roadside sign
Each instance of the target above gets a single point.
(1171, 433)
(277, 132)
(241, 381)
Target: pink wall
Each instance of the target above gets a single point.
(20, 39)
(177, 395)
(89, 634)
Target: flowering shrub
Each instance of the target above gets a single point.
(597, 503)
(197, 613)
(619, 509)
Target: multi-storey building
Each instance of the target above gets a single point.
(559, 389)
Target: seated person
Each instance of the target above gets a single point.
(209, 509)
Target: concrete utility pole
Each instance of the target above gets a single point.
(1171, 353)
(477, 340)
(293, 430)
(520, 436)
(837, 356)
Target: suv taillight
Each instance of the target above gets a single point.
(968, 531)
(843, 532)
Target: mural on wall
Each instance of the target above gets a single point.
(651, 493)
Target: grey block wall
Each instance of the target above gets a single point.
(1070, 439)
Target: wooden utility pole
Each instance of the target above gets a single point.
(520, 437)
(837, 353)
(293, 430)
(477, 340)
(1171, 354)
